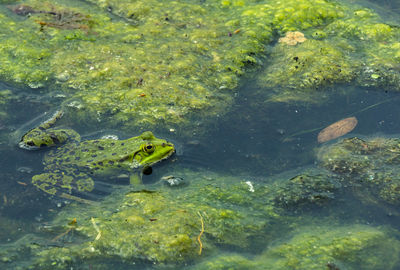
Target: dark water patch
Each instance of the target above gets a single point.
(388, 9)
(267, 138)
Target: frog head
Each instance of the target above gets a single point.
(152, 150)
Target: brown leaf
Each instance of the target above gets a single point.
(337, 129)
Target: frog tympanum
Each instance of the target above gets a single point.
(73, 164)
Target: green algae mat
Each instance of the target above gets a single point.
(170, 64)
(215, 222)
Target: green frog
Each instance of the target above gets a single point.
(73, 164)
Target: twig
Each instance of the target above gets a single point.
(72, 226)
(96, 228)
(201, 233)
(62, 234)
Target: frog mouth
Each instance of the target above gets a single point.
(167, 154)
(148, 168)
(26, 146)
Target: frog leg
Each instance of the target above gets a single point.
(51, 183)
(74, 198)
(45, 136)
(57, 183)
(135, 179)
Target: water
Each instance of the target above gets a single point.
(254, 141)
(237, 179)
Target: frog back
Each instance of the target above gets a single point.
(99, 157)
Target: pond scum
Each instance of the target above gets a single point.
(140, 65)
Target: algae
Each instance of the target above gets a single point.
(369, 165)
(320, 247)
(162, 225)
(308, 188)
(153, 63)
(330, 247)
(353, 45)
(136, 64)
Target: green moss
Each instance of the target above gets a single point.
(315, 247)
(312, 64)
(348, 247)
(308, 188)
(348, 156)
(227, 262)
(163, 226)
(55, 258)
(370, 165)
(300, 15)
(156, 63)
(353, 45)
(151, 63)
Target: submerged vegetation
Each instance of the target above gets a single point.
(370, 166)
(163, 226)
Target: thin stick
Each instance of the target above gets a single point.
(201, 233)
(96, 228)
(62, 234)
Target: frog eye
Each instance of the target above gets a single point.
(148, 148)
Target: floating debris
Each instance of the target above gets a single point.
(61, 19)
(173, 181)
(22, 10)
(96, 228)
(24, 169)
(72, 226)
(22, 183)
(292, 38)
(337, 129)
(251, 187)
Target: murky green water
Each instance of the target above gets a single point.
(255, 188)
